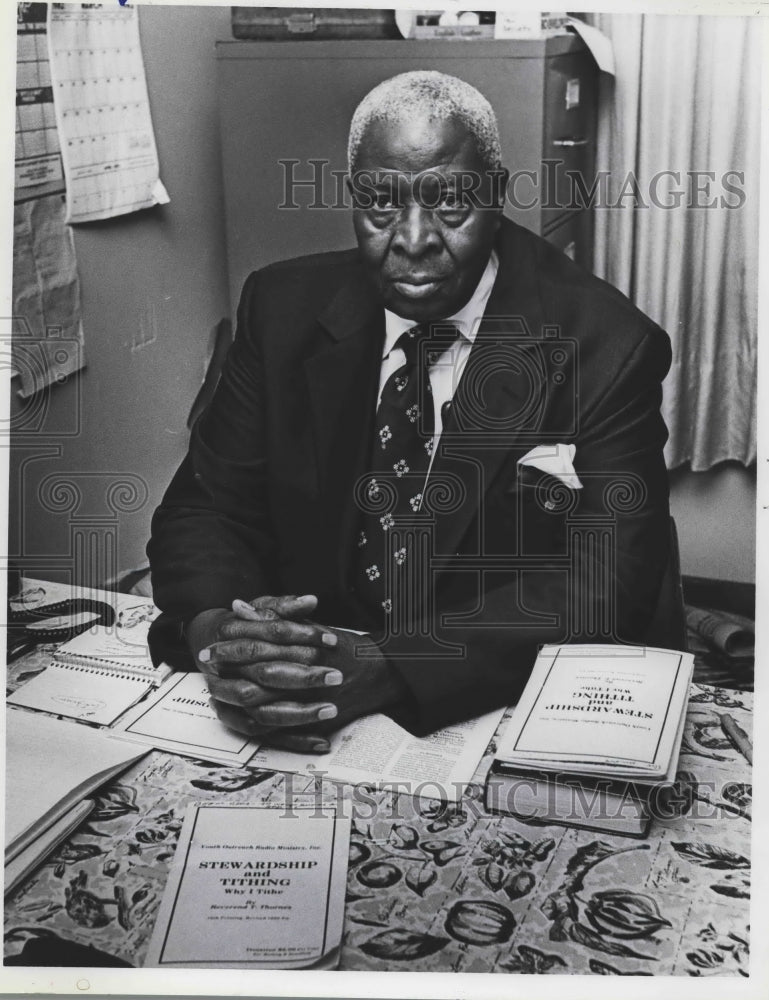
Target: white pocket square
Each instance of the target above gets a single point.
(555, 459)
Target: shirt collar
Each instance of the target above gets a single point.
(466, 320)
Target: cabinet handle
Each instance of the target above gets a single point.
(570, 142)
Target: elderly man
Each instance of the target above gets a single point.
(447, 439)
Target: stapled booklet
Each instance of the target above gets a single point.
(179, 718)
(603, 709)
(594, 739)
(254, 887)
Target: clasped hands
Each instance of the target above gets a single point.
(284, 680)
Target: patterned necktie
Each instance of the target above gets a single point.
(391, 494)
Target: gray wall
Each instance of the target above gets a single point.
(715, 514)
(153, 286)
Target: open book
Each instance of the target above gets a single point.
(51, 766)
(26, 861)
(375, 750)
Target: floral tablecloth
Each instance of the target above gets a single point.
(443, 888)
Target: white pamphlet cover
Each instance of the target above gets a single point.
(254, 887)
(179, 718)
(604, 708)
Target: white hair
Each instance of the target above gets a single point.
(437, 96)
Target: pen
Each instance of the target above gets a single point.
(737, 736)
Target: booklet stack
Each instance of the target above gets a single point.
(594, 739)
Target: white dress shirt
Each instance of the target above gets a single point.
(447, 371)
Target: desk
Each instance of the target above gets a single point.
(424, 890)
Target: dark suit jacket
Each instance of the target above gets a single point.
(264, 501)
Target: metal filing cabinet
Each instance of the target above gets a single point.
(285, 104)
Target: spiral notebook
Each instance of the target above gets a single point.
(98, 675)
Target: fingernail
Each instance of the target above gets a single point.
(328, 712)
(333, 677)
(306, 597)
(204, 655)
(329, 639)
(242, 608)
(321, 747)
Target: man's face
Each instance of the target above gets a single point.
(425, 213)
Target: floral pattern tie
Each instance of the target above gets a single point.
(391, 493)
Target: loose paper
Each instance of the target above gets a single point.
(518, 24)
(47, 341)
(47, 332)
(599, 44)
(254, 888)
(103, 113)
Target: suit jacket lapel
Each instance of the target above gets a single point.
(497, 407)
(343, 379)
(495, 416)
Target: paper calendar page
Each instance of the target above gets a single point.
(102, 111)
(38, 159)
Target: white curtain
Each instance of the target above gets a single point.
(687, 98)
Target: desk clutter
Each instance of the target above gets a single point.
(434, 886)
(321, 23)
(723, 644)
(432, 883)
(105, 677)
(102, 670)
